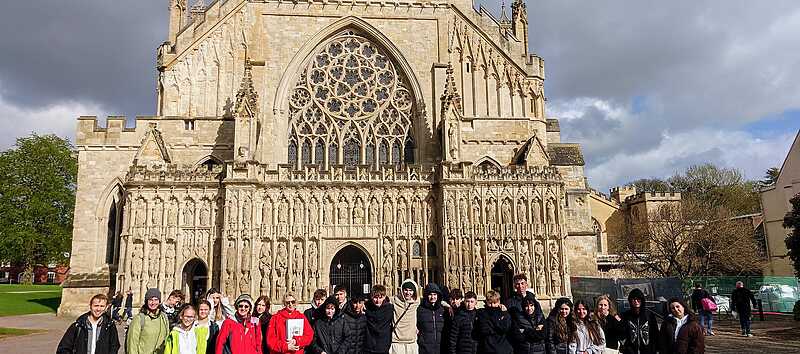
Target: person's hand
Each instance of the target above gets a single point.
(293, 347)
(503, 307)
(291, 342)
(618, 318)
(539, 327)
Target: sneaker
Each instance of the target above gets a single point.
(711, 333)
(749, 334)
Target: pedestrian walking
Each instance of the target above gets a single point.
(430, 321)
(129, 304)
(93, 332)
(560, 327)
(263, 305)
(528, 334)
(459, 336)
(493, 326)
(741, 298)
(705, 305)
(404, 332)
(355, 321)
(116, 306)
(149, 328)
(589, 337)
(240, 334)
(329, 329)
(171, 305)
(680, 333)
(606, 314)
(314, 311)
(185, 337)
(380, 315)
(206, 327)
(514, 302)
(289, 330)
(641, 328)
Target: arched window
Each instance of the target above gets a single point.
(431, 249)
(597, 234)
(350, 88)
(114, 225)
(416, 249)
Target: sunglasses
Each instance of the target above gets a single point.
(290, 302)
(244, 306)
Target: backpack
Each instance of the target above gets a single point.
(708, 304)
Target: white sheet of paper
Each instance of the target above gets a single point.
(294, 328)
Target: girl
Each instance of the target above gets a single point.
(220, 306)
(206, 327)
(184, 338)
(588, 337)
(560, 327)
(681, 333)
(606, 314)
(262, 313)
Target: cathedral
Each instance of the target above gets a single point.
(305, 144)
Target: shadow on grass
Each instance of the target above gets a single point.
(50, 302)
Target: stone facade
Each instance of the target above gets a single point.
(775, 201)
(292, 137)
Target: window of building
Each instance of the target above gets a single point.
(416, 249)
(51, 277)
(188, 124)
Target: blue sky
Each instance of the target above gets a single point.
(646, 88)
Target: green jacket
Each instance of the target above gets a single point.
(173, 341)
(146, 333)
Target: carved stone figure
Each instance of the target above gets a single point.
(387, 212)
(205, 215)
(154, 257)
(246, 212)
(169, 260)
(188, 214)
(541, 282)
(281, 259)
(402, 255)
(401, 212)
(264, 259)
(415, 212)
(266, 212)
(327, 212)
(476, 212)
(452, 279)
(137, 256)
(551, 213)
(246, 255)
(452, 254)
(480, 276)
(342, 211)
(466, 252)
(172, 214)
(467, 280)
(462, 211)
(522, 212)
(244, 282)
(283, 211)
(312, 259)
(451, 210)
(525, 258)
(536, 210)
(297, 260)
(358, 212)
(478, 256)
(158, 212)
(491, 212)
(506, 212)
(374, 212)
(313, 212)
(387, 261)
(296, 282)
(141, 214)
(452, 140)
(234, 212)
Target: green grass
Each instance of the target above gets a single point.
(28, 299)
(10, 332)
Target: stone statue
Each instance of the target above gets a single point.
(476, 212)
(205, 215)
(462, 211)
(234, 209)
(452, 252)
(297, 212)
(141, 215)
(401, 212)
(266, 212)
(313, 212)
(296, 279)
(387, 212)
(358, 212)
(479, 280)
(246, 255)
(506, 211)
(374, 212)
(244, 282)
(283, 211)
(490, 212)
(246, 212)
(551, 214)
(541, 282)
(401, 255)
(414, 212)
(478, 256)
(342, 210)
(312, 258)
(387, 261)
(281, 259)
(452, 141)
(522, 212)
(264, 259)
(466, 252)
(451, 210)
(169, 260)
(467, 280)
(297, 260)
(172, 214)
(525, 258)
(157, 214)
(452, 279)
(137, 256)
(327, 212)
(536, 210)
(188, 214)
(154, 258)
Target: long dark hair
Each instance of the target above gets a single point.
(564, 327)
(591, 325)
(686, 310)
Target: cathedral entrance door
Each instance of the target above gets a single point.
(502, 273)
(350, 267)
(195, 275)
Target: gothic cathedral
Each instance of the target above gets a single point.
(304, 144)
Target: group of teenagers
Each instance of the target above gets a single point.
(404, 324)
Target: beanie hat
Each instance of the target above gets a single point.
(408, 285)
(151, 293)
(433, 288)
(636, 294)
(244, 297)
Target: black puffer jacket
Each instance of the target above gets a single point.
(514, 305)
(492, 328)
(614, 331)
(378, 337)
(329, 335)
(430, 323)
(554, 343)
(460, 338)
(526, 337)
(641, 332)
(355, 327)
(76, 338)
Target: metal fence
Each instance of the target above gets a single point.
(777, 294)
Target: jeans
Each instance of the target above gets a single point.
(128, 312)
(744, 322)
(706, 320)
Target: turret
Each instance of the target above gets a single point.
(505, 23)
(519, 21)
(177, 16)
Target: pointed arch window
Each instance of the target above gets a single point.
(351, 88)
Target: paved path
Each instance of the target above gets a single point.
(39, 343)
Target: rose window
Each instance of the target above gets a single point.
(350, 106)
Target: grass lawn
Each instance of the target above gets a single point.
(27, 299)
(10, 332)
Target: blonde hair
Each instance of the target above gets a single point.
(492, 297)
(612, 308)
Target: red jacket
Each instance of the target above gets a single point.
(244, 338)
(276, 334)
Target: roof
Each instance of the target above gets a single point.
(552, 125)
(562, 154)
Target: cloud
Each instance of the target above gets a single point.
(59, 119)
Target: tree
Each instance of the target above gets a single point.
(792, 221)
(689, 239)
(714, 187)
(651, 185)
(37, 201)
(770, 177)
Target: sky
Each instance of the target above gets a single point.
(647, 88)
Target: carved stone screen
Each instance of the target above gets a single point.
(350, 106)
